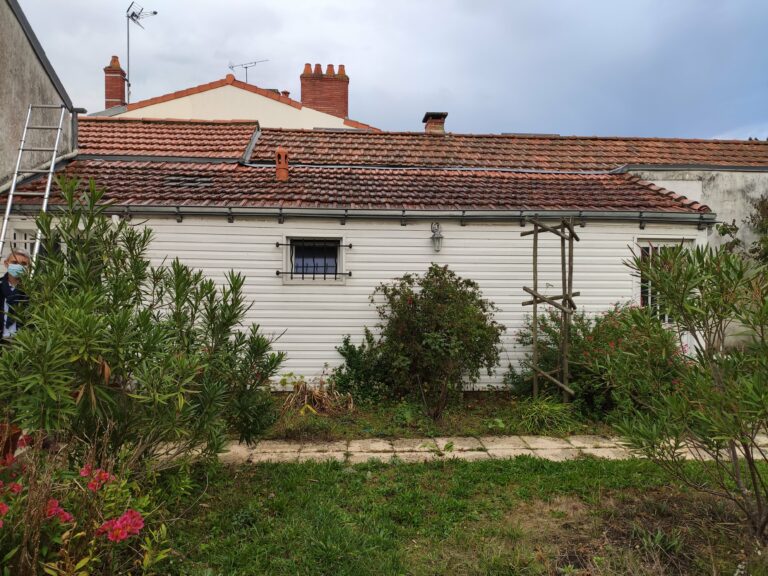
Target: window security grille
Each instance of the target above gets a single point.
(649, 297)
(312, 259)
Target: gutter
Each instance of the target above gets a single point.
(581, 217)
(60, 160)
(686, 167)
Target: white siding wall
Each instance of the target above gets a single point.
(316, 316)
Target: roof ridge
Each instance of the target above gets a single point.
(150, 120)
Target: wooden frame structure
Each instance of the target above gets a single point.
(563, 302)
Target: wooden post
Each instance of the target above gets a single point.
(564, 317)
(569, 290)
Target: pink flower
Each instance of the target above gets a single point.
(118, 529)
(99, 477)
(15, 488)
(3, 508)
(53, 509)
(85, 471)
(24, 441)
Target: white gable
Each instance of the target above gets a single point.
(231, 103)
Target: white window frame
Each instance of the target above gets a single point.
(342, 273)
(656, 243)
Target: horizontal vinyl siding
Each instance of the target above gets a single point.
(315, 316)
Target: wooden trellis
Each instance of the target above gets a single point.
(563, 302)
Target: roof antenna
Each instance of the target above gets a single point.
(133, 13)
(245, 66)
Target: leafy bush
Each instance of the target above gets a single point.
(617, 360)
(720, 405)
(75, 520)
(364, 371)
(543, 415)
(149, 359)
(437, 332)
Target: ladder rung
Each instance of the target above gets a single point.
(42, 127)
(38, 149)
(29, 194)
(30, 171)
(50, 106)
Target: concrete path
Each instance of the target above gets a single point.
(425, 449)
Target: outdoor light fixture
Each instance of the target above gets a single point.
(437, 237)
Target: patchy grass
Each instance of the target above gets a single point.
(477, 414)
(521, 516)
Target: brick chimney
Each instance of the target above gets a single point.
(434, 122)
(327, 92)
(114, 84)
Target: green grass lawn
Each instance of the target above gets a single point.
(521, 516)
(476, 414)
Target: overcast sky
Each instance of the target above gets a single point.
(688, 68)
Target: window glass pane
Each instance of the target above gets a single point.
(314, 257)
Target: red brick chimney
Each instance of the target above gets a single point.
(434, 122)
(327, 92)
(114, 84)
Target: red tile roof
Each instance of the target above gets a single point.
(230, 80)
(227, 184)
(504, 151)
(228, 139)
(101, 135)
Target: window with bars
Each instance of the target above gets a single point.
(314, 259)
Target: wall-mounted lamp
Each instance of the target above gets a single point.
(437, 237)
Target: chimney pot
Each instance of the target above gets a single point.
(307, 68)
(434, 122)
(327, 92)
(286, 93)
(114, 84)
(281, 164)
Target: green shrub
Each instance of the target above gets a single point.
(364, 371)
(720, 405)
(544, 415)
(148, 360)
(617, 360)
(437, 332)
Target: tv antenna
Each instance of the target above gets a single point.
(134, 13)
(245, 66)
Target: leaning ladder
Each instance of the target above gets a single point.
(20, 172)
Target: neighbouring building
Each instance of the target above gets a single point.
(27, 78)
(324, 101)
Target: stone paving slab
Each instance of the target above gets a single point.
(414, 445)
(459, 443)
(546, 443)
(278, 446)
(370, 445)
(584, 441)
(340, 446)
(428, 449)
(503, 442)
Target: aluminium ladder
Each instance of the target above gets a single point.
(20, 172)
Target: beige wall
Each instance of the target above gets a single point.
(231, 103)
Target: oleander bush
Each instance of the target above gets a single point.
(719, 407)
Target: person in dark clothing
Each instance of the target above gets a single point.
(11, 294)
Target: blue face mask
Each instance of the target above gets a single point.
(16, 270)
